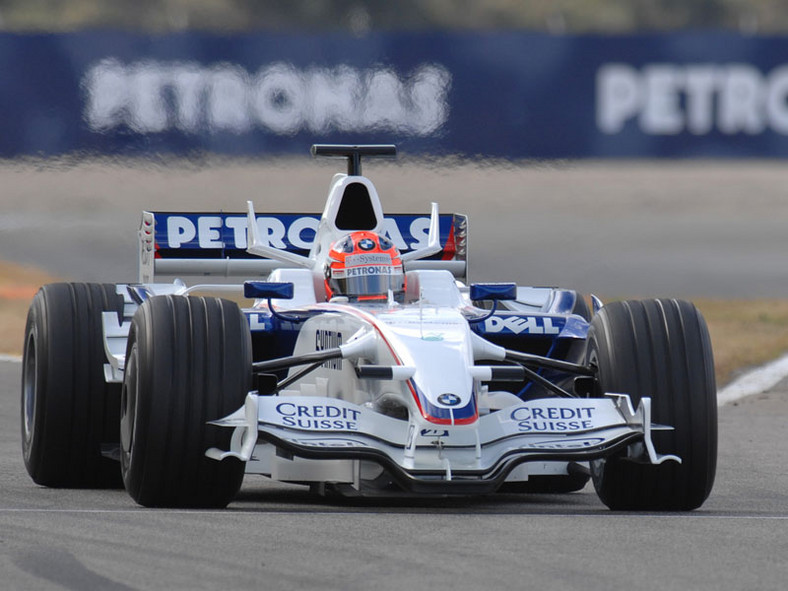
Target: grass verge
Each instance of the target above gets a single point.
(744, 333)
(18, 285)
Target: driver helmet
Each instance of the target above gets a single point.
(364, 266)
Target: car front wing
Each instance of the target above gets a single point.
(428, 457)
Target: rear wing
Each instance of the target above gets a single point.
(214, 244)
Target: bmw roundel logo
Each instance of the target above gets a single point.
(449, 399)
(366, 244)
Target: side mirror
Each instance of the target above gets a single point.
(493, 291)
(266, 383)
(268, 289)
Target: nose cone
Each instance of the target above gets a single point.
(444, 386)
(437, 342)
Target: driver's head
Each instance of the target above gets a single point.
(364, 266)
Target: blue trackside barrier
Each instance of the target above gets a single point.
(505, 94)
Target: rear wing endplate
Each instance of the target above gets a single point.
(214, 244)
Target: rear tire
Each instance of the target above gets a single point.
(658, 348)
(68, 410)
(188, 361)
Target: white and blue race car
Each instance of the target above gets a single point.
(366, 366)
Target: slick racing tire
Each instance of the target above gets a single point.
(188, 361)
(658, 348)
(68, 410)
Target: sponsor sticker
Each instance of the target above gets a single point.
(434, 432)
(366, 244)
(562, 416)
(329, 442)
(285, 231)
(369, 258)
(317, 416)
(553, 419)
(435, 337)
(523, 324)
(449, 399)
(370, 270)
(566, 443)
(329, 339)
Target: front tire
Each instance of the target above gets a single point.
(658, 348)
(188, 361)
(68, 409)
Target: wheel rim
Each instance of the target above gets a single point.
(128, 410)
(29, 387)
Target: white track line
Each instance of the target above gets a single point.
(753, 382)
(756, 381)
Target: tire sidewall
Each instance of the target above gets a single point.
(33, 403)
(129, 417)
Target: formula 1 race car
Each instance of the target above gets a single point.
(366, 366)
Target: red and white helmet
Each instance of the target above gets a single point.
(364, 266)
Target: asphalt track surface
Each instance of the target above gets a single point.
(686, 229)
(281, 537)
(641, 229)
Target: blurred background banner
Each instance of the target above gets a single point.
(502, 94)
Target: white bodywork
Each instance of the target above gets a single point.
(432, 352)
